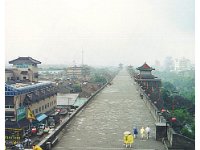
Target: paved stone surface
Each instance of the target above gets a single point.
(101, 124)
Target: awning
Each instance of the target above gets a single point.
(41, 117)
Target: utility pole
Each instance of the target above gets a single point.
(82, 57)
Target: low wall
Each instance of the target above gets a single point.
(179, 141)
(52, 138)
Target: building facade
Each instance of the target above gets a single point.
(76, 72)
(24, 93)
(23, 69)
(182, 64)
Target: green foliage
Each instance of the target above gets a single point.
(182, 115)
(184, 82)
(188, 132)
(187, 121)
(169, 86)
(76, 87)
(103, 75)
(98, 78)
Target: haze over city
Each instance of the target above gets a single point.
(108, 32)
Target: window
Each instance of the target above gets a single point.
(36, 111)
(8, 78)
(43, 107)
(9, 106)
(48, 105)
(40, 109)
(20, 104)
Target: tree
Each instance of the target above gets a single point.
(77, 88)
(168, 63)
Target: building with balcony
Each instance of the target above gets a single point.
(23, 69)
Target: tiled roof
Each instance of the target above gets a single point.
(146, 67)
(24, 60)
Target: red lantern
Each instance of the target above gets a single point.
(163, 110)
(173, 119)
(58, 110)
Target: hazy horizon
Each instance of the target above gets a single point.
(108, 32)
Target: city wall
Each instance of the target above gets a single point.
(49, 141)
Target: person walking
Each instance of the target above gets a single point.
(147, 130)
(130, 139)
(142, 131)
(126, 140)
(37, 147)
(135, 132)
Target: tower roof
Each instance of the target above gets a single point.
(24, 60)
(145, 67)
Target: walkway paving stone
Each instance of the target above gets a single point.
(100, 125)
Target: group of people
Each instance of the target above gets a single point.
(129, 138)
(144, 132)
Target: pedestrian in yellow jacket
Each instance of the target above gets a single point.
(142, 131)
(36, 147)
(130, 140)
(126, 139)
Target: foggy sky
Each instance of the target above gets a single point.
(108, 31)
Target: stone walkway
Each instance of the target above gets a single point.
(100, 125)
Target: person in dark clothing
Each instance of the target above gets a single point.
(135, 132)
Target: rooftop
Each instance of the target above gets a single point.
(24, 60)
(66, 99)
(145, 67)
(20, 88)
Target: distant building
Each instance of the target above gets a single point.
(120, 65)
(24, 69)
(76, 72)
(182, 64)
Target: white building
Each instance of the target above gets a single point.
(182, 64)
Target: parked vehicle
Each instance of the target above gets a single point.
(46, 129)
(53, 119)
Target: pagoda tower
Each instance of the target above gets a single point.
(149, 83)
